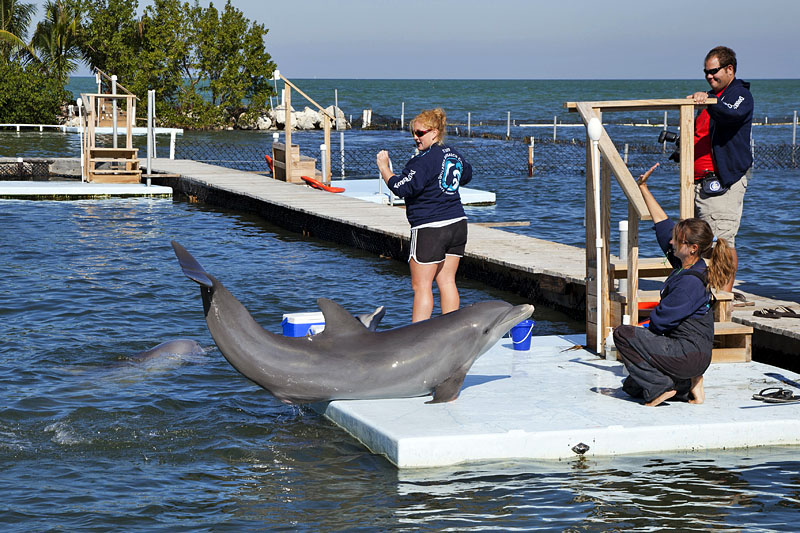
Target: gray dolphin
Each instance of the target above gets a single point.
(175, 347)
(347, 360)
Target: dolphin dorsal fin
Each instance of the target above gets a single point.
(337, 320)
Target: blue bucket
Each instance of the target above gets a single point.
(521, 335)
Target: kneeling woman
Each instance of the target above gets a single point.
(429, 184)
(668, 359)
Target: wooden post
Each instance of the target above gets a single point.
(687, 161)
(592, 317)
(605, 235)
(287, 103)
(530, 158)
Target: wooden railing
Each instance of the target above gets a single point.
(612, 163)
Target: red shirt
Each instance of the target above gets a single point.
(703, 160)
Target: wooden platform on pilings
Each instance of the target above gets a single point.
(546, 273)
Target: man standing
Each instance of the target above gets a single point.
(722, 153)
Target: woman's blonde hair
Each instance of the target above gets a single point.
(696, 231)
(431, 118)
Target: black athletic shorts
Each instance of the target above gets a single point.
(432, 245)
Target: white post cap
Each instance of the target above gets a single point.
(594, 129)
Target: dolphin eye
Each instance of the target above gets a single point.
(486, 331)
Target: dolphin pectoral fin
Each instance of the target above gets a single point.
(448, 390)
(337, 320)
(371, 320)
(193, 270)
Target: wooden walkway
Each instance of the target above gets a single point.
(541, 271)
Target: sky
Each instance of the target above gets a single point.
(523, 39)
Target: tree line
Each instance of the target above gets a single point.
(208, 66)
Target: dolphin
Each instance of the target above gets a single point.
(347, 360)
(178, 348)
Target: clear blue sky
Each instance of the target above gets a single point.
(524, 39)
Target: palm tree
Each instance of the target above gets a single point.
(15, 17)
(56, 38)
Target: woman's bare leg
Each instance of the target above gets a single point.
(697, 390)
(422, 283)
(446, 281)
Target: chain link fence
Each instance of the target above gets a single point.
(27, 170)
(485, 153)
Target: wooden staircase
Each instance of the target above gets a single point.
(732, 341)
(299, 165)
(114, 165)
(110, 164)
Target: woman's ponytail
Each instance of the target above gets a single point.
(722, 267)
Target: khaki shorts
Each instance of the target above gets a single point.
(724, 212)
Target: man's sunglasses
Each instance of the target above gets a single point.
(421, 133)
(713, 71)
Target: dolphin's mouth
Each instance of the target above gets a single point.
(514, 316)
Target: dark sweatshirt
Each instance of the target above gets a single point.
(429, 185)
(683, 295)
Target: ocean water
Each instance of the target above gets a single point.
(93, 438)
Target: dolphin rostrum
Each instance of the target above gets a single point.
(347, 360)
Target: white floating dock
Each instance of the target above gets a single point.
(44, 190)
(541, 403)
(375, 190)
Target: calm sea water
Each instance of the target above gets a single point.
(93, 439)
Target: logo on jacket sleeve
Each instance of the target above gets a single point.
(452, 167)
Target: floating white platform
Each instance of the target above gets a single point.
(375, 190)
(44, 190)
(541, 403)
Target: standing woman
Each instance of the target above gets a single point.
(668, 359)
(429, 185)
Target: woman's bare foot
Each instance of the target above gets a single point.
(697, 391)
(662, 398)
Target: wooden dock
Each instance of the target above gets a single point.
(544, 272)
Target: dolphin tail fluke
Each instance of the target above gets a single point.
(448, 390)
(193, 270)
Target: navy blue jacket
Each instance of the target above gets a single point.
(683, 295)
(429, 185)
(729, 127)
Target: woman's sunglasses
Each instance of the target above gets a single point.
(422, 133)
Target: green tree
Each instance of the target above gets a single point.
(15, 17)
(57, 37)
(231, 57)
(27, 95)
(111, 38)
(205, 66)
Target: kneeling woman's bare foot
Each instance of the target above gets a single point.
(664, 396)
(697, 391)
